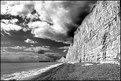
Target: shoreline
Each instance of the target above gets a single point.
(25, 75)
(77, 71)
(81, 71)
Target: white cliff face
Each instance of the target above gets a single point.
(98, 37)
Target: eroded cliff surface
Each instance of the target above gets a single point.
(98, 37)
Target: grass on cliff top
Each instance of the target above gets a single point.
(79, 72)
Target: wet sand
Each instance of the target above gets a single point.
(28, 75)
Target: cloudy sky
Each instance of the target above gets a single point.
(33, 28)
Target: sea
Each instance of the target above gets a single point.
(9, 68)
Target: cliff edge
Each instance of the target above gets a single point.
(98, 37)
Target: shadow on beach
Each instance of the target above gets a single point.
(79, 72)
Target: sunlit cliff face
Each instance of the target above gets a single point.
(55, 20)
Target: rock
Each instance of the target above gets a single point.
(98, 37)
(87, 64)
(62, 59)
(112, 62)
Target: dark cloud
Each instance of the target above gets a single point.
(37, 49)
(23, 57)
(53, 55)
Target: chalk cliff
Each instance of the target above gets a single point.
(98, 37)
